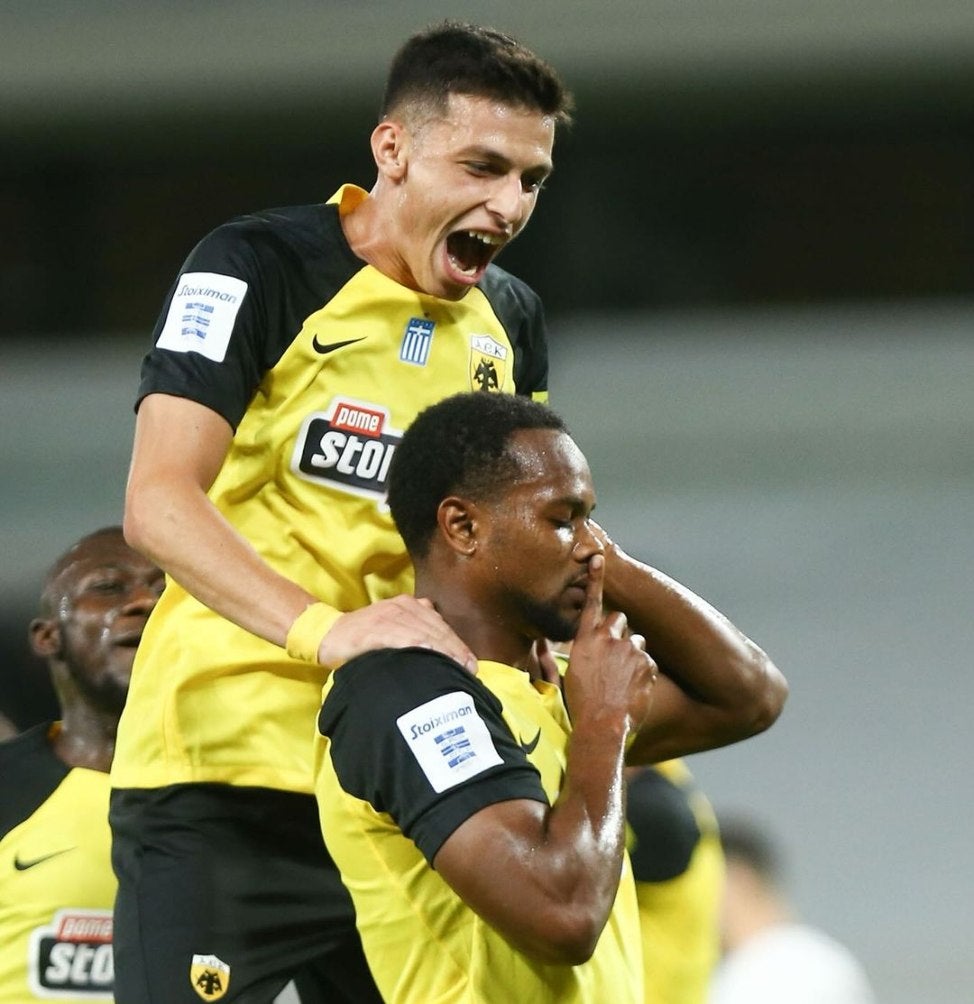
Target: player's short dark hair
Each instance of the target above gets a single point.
(744, 840)
(459, 446)
(453, 57)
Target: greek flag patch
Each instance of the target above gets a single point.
(416, 341)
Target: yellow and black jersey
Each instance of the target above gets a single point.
(56, 882)
(678, 865)
(319, 362)
(411, 746)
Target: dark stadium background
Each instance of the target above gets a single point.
(757, 256)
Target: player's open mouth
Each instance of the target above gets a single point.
(470, 251)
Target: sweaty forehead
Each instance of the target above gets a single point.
(551, 459)
(468, 119)
(97, 551)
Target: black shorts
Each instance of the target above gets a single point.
(227, 893)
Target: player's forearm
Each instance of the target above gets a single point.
(576, 867)
(178, 528)
(696, 646)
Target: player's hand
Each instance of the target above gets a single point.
(610, 672)
(399, 622)
(547, 663)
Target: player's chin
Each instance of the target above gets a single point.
(564, 626)
(121, 660)
(111, 692)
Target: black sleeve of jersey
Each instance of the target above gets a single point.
(29, 772)
(225, 387)
(664, 826)
(373, 761)
(293, 261)
(521, 312)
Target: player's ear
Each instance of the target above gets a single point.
(458, 522)
(44, 637)
(388, 147)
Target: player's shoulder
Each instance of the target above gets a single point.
(26, 747)
(392, 681)
(665, 830)
(289, 225)
(29, 773)
(498, 284)
(291, 247)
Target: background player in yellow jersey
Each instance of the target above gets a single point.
(294, 347)
(677, 863)
(56, 881)
(479, 830)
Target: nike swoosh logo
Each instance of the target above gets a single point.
(531, 746)
(22, 865)
(324, 349)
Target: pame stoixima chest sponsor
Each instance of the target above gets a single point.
(349, 447)
(72, 957)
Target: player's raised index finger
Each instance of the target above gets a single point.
(592, 611)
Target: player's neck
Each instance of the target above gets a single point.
(488, 637)
(86, 740)
(371, 235)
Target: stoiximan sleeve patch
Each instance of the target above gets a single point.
(202, 313)
(449, 740)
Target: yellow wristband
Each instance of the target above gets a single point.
(309, 628)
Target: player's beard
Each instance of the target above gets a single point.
(547, 618)
(107, 691)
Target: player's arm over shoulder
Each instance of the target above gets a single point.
(178, 450)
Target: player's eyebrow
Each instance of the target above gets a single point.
(541, 170)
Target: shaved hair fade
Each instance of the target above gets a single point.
(453, 57)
